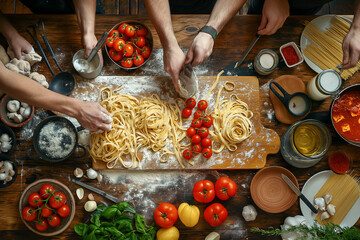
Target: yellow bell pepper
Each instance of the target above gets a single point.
(171, 233)
(189, 214)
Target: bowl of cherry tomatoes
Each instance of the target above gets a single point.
(129, 44)
(47, 207)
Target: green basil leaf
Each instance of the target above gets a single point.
(91, 236)
(126, 207)
(131, 236)
(106, 224)
(100, 208)
(92, 227)
(123, 217)
(109, 212)
(140, 223)
(81, 229)
(114, 232)
(124, 225)
(95, 219)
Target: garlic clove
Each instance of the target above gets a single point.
(91, 173)
(91, 197)
(99, 177)
(80, 193)
(213, 236)
(90, 206)
(78, 173)
(13, 106)
(320, 202)
(328, 197)
(331, 209)
(325, 215)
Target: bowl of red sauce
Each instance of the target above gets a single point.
(339, 162)
(345, 114)
(291, 54)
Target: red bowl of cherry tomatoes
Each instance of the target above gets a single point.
(47, 207)
(129, 44)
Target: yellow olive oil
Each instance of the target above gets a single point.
(307, 139)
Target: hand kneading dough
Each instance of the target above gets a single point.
(3, 56)
(32, 57)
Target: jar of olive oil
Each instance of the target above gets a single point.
(305, 143)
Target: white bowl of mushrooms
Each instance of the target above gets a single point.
(15, 113)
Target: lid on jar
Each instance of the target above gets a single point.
(329, 81)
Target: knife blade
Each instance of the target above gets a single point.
(98, 191)
(252, 44)
(298, 193)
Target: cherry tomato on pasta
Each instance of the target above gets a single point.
(207, 121)
(191, 103)
(196, 148)
(202, 105)
(198, 114)
(196, 139)
(207, 152)
(187, 154)
(203, 132)
(191, 131)
(196, 123)
(206, 142)
(186, 112)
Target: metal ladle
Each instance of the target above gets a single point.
(63, 82)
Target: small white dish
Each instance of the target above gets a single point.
(298, 53)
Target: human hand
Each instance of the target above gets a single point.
(89, 42)
(18, 44)
(201, 48)
(351, 48)
(274, 14)
(174, 59)
(94, 117)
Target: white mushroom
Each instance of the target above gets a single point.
(80, 193)
(90, 206)
(1, 164)
(13, 106)
(325, 215)
(24, 104)
(7, 179)
(5, 137)
(91, 173)
(25, 111)
(331, 209)
(78, 172)
(320, 202)
(5, 146)
(249, 213)
(328, 197)
(11, 172)
(18, 118)
(11, 115)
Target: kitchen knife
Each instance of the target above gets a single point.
(297, 192)
(98, 191)
(252, 44)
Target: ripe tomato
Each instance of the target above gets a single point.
(202, 105)
(35, 200)
(195, 139)
(114, 33)
(129, 31)
(145, 52)
(45, 211)
(196, 148)
(190, 103)
(204, 191)
(128, 50)
(187, 154)
(215, 214)
(57, 200)
(29, 213)
(206, 142)
(198, 114)
(207, 152)
(207, 121)
(141, 31)
(196, 123)
(115, 55)
(203, 132)
(165, 215)
(140, 41)
(64, 210)
(122, 27)
(186, 112)
(119, 44)
(191, 131)
(46, 190)
(225, 188)
(110, 42)
(138, 60)
(54, 220)
(127, 62)
(41, 225)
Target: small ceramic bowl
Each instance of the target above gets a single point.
(95, 65)
(297, 51)
(15, 168)
(4, 111)
(5, 129)
(64, 222)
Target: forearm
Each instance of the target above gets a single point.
(356, 21)
(85, 13)
(6, 28)
(223, 11)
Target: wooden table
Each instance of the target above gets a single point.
(64, 35)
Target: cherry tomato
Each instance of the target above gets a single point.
(207, 152)
(191, 131)
(45, 211)
(203, 132)
(145, 52)
(196, 148)
(128, 50)
(41, 225)
(119, 44)
(207, 121)
(186, 112)
(122, 27)
(204, 191)
(129, 31)
(57, 200)
(215, 214)
(191, 103)
(114, 34)
(140, 41)
(202, 105)
(110, 41)
(198, 114)
(196, 139)
(46, 190)
(29, 213)
(225, 188)
(127, 62)
(141, 31)
(35, 200)
(187, 154)
(165, 215)
(196, 123)
(54, 220)
(64, 210)
(115, 55)
(206, 142)
(138, 60)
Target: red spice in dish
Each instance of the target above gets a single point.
(339, 162)
(290, 55)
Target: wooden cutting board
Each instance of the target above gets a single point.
(250, 154)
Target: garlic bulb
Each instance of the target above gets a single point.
(249, 213)
(91, 173)
(18, 118)
(328, 197)
(25, 112)
(293, 221)
(5, 146)
(13, 106)
(80, 193)
(90, 206)
(78, 172)
(320, 202)
(5, 137)
(325, 215)
(331, 209)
